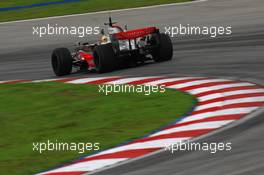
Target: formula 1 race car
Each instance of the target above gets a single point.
(117, 47)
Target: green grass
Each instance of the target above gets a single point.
(75, 113)
(12, 3)
(72, 8)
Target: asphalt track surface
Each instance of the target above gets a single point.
(23, 56)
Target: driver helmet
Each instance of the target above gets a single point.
(104, 39)
(112, 30)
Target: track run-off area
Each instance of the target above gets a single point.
(220, 102)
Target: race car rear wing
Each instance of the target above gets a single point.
(137, 33)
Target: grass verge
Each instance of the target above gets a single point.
(83, 6)
(75, 113)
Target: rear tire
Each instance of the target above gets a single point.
(165, 50)
(104, 58)
(61, 60)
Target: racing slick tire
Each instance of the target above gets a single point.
(104, 58)
(61, 60)
(165, 50)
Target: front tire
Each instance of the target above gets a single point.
(61, 60)
(165, 50)
(104, 58)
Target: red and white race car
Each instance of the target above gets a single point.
(115, 48)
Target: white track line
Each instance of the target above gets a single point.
(229, 102)
(86, 166)
(102, 12)
(244, 110)
(86, 80)
(160, 143)
(47, 80)
(2, 82)
(195, 126)
(129, 80)
(197, 82)
(217, 87)
(224, 94)
(168, 80)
